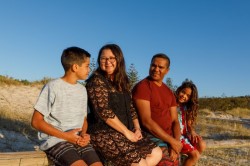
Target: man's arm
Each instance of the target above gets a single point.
(175, 123)
(40, 124)
(143, 107)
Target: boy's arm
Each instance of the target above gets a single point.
(85, 137)
(40, 124)
(85, 126)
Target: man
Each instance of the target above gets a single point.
(156, 105)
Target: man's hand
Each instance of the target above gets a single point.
(176, 146)
(173, 155)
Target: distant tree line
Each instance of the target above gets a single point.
(224, 103)
(212, 103)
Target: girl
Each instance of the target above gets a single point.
(187, 106)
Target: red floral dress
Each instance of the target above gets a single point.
(188, 145)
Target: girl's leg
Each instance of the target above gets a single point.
(201, 146)
(154, 158)
(192, 158)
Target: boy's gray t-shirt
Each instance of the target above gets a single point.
(64, 106)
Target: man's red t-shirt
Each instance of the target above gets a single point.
(161, 99)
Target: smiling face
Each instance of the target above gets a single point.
(158, 69)
(108, 61)
(184, 95)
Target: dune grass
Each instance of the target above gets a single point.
(208, 128)
(17, 122)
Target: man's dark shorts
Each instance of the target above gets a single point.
(165, 161)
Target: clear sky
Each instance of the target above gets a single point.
(208, 41)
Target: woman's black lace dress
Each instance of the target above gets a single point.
(105, 102)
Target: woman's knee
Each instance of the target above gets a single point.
(157, 153)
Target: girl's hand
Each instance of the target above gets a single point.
(195, 137)
(138, 133)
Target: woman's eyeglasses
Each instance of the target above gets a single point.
(110, 59)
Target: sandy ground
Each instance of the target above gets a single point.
(22, 98)
(18, 98)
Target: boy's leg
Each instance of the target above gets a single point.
(63, 153)
(89, 155)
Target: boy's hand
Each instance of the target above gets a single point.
(83, 140)
(73, 135)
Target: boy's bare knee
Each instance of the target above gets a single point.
(79, 163)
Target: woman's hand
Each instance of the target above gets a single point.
(138, 133)
(131, 136)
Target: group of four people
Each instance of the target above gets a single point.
(127, 128)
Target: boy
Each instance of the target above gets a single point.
(61, 111)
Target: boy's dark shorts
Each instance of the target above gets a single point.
(65, 153)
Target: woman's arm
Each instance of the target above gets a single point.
(98, 92)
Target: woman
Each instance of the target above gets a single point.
(113, 124)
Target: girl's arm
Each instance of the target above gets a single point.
(194, 136)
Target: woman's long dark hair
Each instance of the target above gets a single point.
(193, 104)
(120, 81)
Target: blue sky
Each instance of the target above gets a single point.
(208, 41)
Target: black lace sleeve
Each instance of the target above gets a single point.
(132, 109)
(98, 96)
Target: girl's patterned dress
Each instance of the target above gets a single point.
(188, 145)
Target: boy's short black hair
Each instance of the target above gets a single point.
(73, 55)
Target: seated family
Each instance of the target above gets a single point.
(113, 130)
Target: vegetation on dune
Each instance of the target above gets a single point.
(219, 119)
(6, 80)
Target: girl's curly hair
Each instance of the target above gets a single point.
(192, 105)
